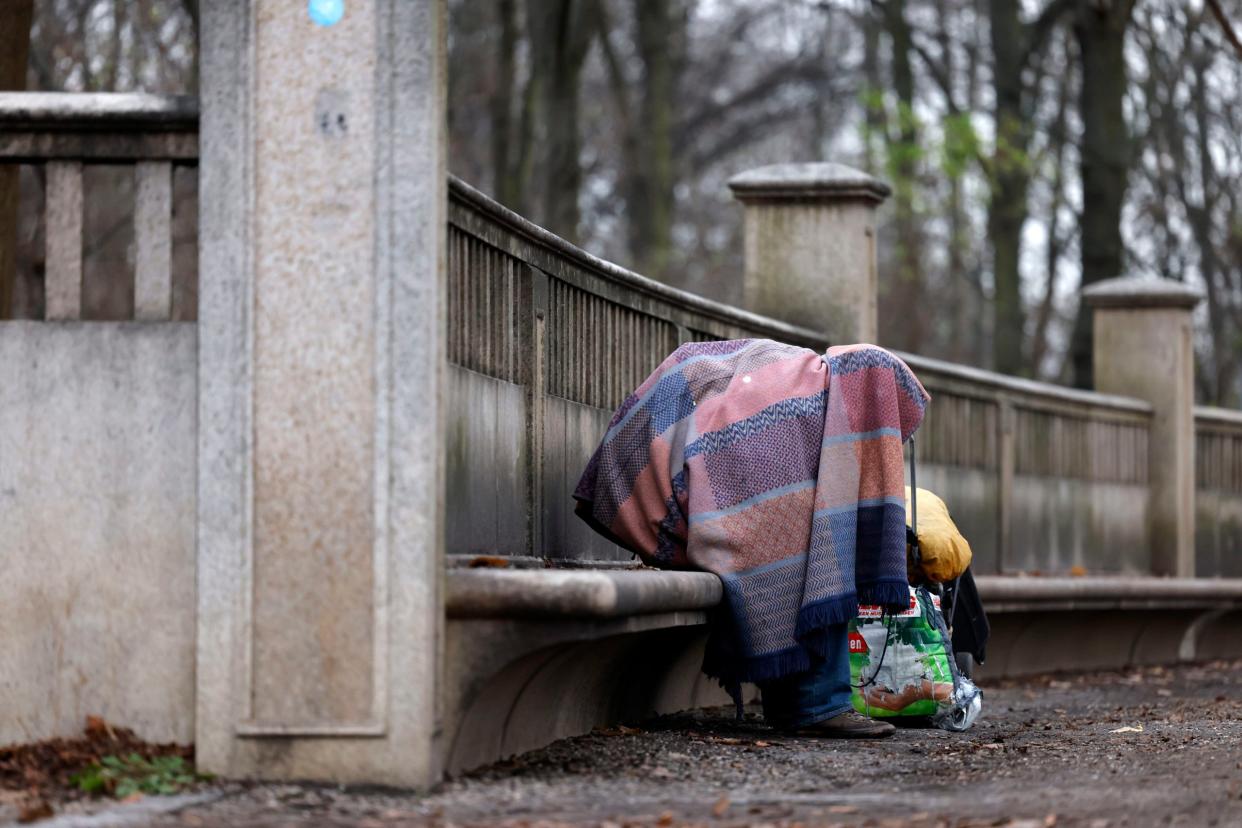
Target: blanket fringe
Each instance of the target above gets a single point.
(893, 595)
(762, 668)
(814, 617)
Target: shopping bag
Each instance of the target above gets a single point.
(902, 666)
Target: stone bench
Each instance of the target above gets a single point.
(538, 654)
(534, 655)
(1043, 624)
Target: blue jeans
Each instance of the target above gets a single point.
(818, 694)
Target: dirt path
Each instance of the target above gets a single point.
(1044, 754)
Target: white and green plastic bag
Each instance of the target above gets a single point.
(902, 666)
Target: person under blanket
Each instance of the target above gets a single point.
(780, 470)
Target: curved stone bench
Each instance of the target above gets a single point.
(1044, 624)
(534, 655)
(568, 593)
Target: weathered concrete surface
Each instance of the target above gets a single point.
(501, 676)
(1143, 347)
(97, 504)
(1218, 493)
(577, 594)
(322, 331)
(810, 246)
(1044, 753)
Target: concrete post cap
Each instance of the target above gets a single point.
(820, 181)
(1141, 292)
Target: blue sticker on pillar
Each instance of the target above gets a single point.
(326, 12)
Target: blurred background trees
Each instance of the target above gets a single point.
(1032, 146)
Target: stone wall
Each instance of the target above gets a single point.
(97, 512)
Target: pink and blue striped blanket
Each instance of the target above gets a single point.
(778, 469)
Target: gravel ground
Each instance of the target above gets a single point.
(1047, 751)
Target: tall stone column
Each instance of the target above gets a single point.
(810, 246)
(1143, 348)
(321, 363)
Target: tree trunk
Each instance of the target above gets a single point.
(652, 176)
(1039, 344)
(14, 54)
(1010, 180)
(1200, 218)
(560, 35)
(1100, 29)
(506, 166)
(905, 294)
(872, 102)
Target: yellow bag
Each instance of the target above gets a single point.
(945, 554)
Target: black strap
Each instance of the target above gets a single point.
(914, 491)
(912, 531)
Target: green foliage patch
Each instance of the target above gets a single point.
(124, 776)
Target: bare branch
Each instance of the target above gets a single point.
(1230, 34)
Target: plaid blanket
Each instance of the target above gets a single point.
(775, 467)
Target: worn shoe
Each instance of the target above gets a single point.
(847, 725)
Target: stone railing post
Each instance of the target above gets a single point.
(810, 246)
(321, 368)
(1143, 348)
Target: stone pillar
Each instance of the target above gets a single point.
(1143, 348)
(810, 246)
(321, 363)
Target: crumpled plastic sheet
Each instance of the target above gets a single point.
(963, 707)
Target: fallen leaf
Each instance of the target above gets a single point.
(488, 562)
(35, 812)
(842, 809)
(1128, 729)
(618, 730)
(761, 743)
(721, 807)
(666, 818)
(96, 726)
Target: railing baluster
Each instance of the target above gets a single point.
(63, 228)
(1006, 466)
(153, 241)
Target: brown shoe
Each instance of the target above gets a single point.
(847, 725)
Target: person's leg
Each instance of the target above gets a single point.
(820, 693)
(819, 699)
